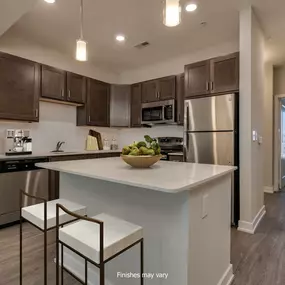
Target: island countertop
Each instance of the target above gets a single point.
(170, 177)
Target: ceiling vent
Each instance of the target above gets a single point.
(142, 45)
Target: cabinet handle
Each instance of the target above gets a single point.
(212, 85)
(89, 119)
(158, 94)
(62, 94)
(69, 93)
(37, 112)
(207, 86)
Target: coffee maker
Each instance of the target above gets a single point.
(18, 142)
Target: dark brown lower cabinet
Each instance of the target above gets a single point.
(19, 88)
(96, 111)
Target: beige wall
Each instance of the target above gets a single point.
(268, 129)
(176, 65)
(251, 118)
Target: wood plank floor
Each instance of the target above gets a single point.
(258, 259)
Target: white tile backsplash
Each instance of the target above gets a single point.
(127, 136)
(58, 123)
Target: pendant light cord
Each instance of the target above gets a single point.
(81, 19)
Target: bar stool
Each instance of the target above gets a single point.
(43, 217)
(97, 240)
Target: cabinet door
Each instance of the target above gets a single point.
(180, 87)
(19, 88)
(149, 91)
(136, 107)
(225, 73)
(53, 83)
(197, 77)
(166, 88)
(98, 99)
(75, 88)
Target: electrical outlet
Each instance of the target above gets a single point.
(205, 203)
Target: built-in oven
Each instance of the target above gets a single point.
(162, 112)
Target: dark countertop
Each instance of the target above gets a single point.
(35, 155)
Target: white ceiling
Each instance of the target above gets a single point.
(57, 26)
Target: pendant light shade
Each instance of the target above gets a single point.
(81, 44)
(81, 50)
(172, 13)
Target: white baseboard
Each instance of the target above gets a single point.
(268, 189)
(228, 276)
(250, 227)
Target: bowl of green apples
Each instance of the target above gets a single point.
(142, 154)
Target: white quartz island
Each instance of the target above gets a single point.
(184, 210)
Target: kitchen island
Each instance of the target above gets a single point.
(184, 210)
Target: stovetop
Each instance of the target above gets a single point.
(170, 144)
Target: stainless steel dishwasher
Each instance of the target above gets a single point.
(21, 174)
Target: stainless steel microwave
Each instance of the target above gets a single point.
(162, 112)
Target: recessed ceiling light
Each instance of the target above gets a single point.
(191, 7)
(120, 38)
(50, 1)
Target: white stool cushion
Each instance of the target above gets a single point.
(35, 213)
(84, 237)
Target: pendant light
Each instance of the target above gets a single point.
(172, 13)
(81, 45)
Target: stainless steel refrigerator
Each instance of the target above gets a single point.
(211, 136)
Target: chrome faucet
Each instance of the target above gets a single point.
(58, 146)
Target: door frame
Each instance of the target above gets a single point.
(277, 142)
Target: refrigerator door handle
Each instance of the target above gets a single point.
(187, 116)
(186, 148)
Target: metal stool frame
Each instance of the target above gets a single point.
(102, 262)
(44, 231)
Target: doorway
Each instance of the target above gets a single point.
(282, 144)
(279, 142)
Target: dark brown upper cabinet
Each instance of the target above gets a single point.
(214, 76)
(166, 88)
(96, 111)
(75, 88)
(149, 91)
(158, 89)
(19, 88)
(197, 78)
(225, 73)
(136, 106)
(180, 87)
(53, 83)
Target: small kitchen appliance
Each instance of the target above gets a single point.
(162, 112)
(17, 142)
